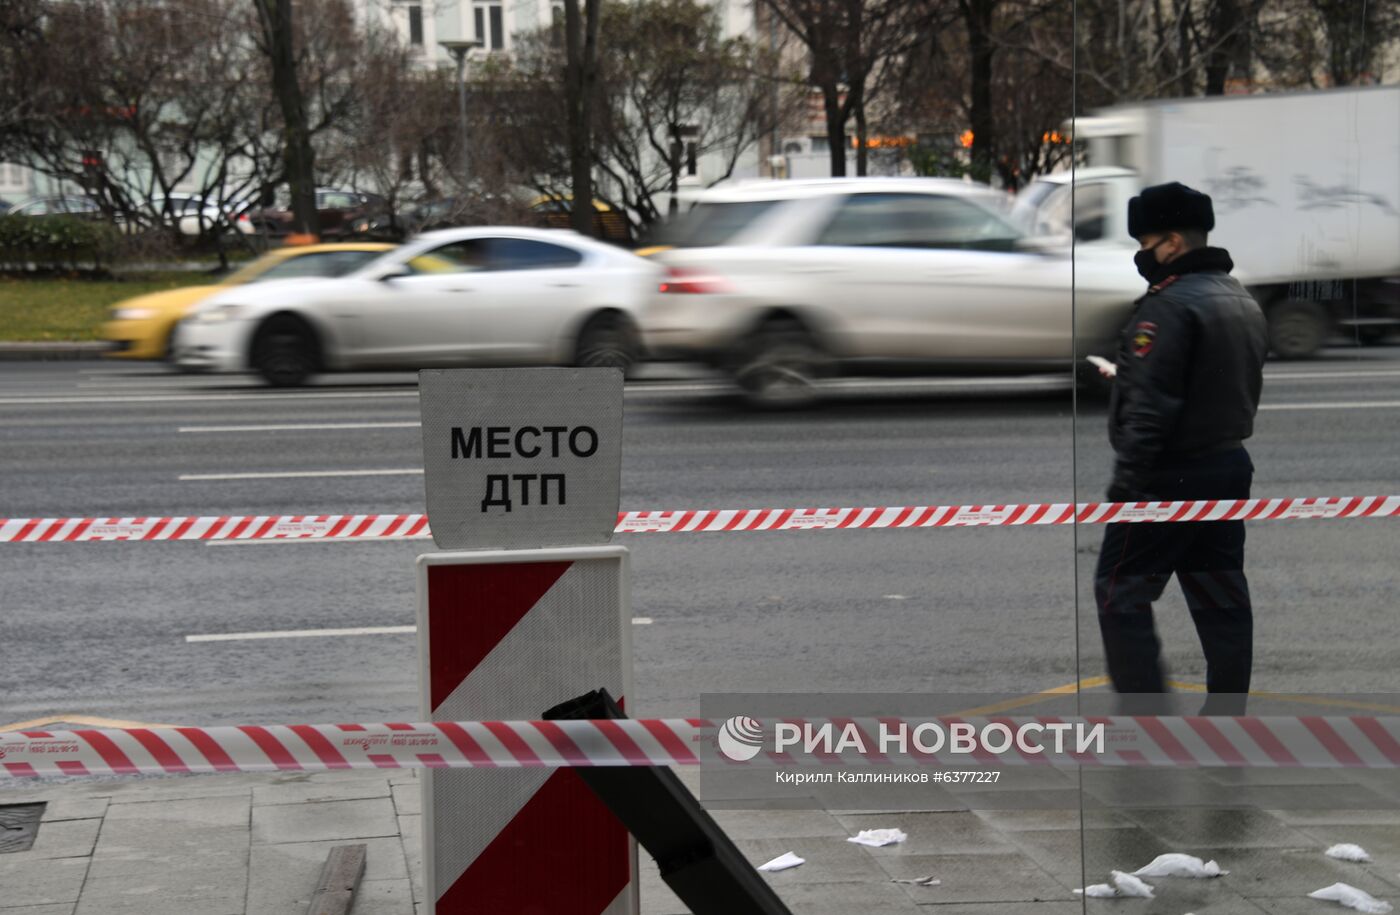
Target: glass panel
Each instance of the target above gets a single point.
(525, 254)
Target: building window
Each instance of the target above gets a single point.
(415, 26)
(490, 24)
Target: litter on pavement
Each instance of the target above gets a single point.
(875, 838)
(1177, 865)
(918, 881)
(1352, 898)
(1348, 852)
(782, 862)
(1124, 884)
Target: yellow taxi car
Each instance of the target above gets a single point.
(141, 327)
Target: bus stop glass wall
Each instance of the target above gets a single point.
(1287, 115)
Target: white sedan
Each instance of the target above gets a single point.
(486, 296)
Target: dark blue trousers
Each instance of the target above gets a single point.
(1137, 561)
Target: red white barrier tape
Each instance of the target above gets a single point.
(1306, 742)
(404, 527)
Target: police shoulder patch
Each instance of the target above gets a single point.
(1144, 335)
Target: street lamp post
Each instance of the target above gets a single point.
(459, 49)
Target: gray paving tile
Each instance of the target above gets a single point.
(283, 877)
(72, 807)
(43, 882)
(177, 788)
(1313, 797)
(1032, 819)
(829, 860)
(313, 822)
(148, 848)
(1305, 818)
(655, 896)
(62, 839)
(1380, 840)
(1003, 908)
(58, 908)
(776, 824)
(1280, 776)
(381, 897)
(1186, 828)
(976, 878)
(1195, 900)
(1302, 906)
(321, 787)
(949, 833)
(1123, 788)
(176, 892)
(181, 813)
(1068, 856)
(411, 838)
(1271, 872)
(408, 799)
(847, 898)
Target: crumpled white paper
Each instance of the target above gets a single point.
(917, 881)
(1177, 865)
(1097, 891)
(875, 838)
(1348, 852)
(782, 862)
(1123, 885)
(1352, 898)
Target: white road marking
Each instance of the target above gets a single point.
(1338, 405)
(328, 633)
(300, 427)
(316, 540)
(298, 474)
(1289, 376)
(202, 398)
(300, 633)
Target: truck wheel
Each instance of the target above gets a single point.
(607, 341)
(285, 353)
(781, 366)
(1297, 329)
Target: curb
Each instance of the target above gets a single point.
(32, 352)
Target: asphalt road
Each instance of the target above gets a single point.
(99, 629)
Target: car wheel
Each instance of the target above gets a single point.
(607, 341)
(169, 356)
(284, 352)
(1297, 329)
(781, 366)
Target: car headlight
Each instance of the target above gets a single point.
(217, 314)
(132, 314)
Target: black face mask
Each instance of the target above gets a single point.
(1147, 264)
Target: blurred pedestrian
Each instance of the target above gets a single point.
(1186, 389)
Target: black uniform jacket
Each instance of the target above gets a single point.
(1190, 367)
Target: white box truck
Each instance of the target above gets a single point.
(1306, 187)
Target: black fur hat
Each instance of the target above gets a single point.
(1168, 207)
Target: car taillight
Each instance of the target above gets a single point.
(243, 217)
(680, 280)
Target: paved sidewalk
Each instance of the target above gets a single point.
(255, 845)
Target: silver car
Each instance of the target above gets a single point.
(780, 282)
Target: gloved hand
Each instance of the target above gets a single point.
(1129, 485)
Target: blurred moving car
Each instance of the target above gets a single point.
(338, 210)
(141, 327)
(477, 296)
(58, 206)
(783, 282)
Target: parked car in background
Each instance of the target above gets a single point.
(5, 206)
(141, 327)
(781, 283)
(478, 296)
(338, 211)
(556, 212)
(83, 207)
(443, 213)
(194, 215)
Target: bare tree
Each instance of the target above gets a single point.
(847, 41)
(580, 90)
(278, 42)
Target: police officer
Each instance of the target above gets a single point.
(1189, 373)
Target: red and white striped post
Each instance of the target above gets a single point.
(507, 634)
